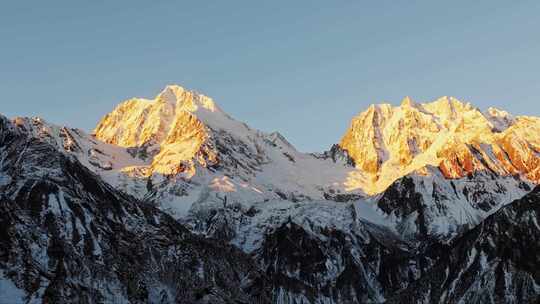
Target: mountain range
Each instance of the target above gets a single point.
(171, 200)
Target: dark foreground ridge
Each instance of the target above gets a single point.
(69, 237)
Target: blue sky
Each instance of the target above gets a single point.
(304, 68)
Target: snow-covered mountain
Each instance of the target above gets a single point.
(68, 237)
(363, 222)
(495, 262)
(465, 164)
(443, 166)
(388, 142)
(192, 151)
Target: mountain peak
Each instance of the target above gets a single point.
(390, 142)
(176, 129)
(189, 100)
(448, 107)
(171, 94)
(407, 102)
(500, 119)
(137, 121)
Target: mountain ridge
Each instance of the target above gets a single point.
(391, 141)
(331, 227)
(180, 147)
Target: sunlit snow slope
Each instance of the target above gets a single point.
(388, 142)
(193, 151)
(362, 222)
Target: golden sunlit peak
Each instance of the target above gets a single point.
(407, 101)
(449, 102)
(390, 142)
(188, 100)
(171, 93)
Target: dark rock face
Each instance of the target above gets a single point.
(338, 154)
(324, 264)
(342, 198)
(428, 209)
(402, 200)
(68, 237)
(313, 262)
(496, 262)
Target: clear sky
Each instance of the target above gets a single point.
(303, 68)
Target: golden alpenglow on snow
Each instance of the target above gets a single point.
(169, 128)
(177, 189)
(387, 142)
(179, 131)
(219, 152)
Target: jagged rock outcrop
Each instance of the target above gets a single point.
(426, 205)
(498, 261)
(68, 237)
(191, 150)
(389, 142)
(173, 201)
